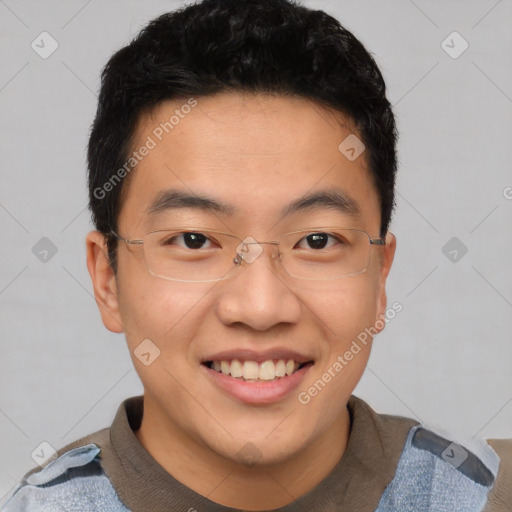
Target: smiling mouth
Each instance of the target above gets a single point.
(253, 371)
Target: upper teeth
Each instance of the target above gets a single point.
(252, 370)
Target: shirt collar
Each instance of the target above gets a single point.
(355, 483)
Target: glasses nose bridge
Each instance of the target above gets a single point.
(245, 253)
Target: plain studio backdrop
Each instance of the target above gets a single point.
(445, 359)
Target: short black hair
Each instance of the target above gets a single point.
(214, 46)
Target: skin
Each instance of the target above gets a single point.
(257, 153)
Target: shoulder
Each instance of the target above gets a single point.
(500, 498)
(435, 468)
(73, 481)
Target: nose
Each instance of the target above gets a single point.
(258, 294)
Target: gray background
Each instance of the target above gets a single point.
(446, 359)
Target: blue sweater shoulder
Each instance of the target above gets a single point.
(73, 482)
(435, 474)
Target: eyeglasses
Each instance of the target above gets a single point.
(199, 255)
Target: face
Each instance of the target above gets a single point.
(262, 166)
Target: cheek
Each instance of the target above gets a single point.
(167, 316)
(345, 312)
(155, 309)
(171, 315)
(343, 307)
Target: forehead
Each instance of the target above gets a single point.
(253, 151)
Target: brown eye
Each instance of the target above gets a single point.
(317, 240)
(194, 240)
(188, 240)
(320, 240)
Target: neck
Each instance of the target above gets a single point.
(258, 487)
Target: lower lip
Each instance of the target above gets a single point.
(258, 392)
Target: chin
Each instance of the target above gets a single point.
(258, 451)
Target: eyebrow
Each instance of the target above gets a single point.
(330, 199)
(173, 199)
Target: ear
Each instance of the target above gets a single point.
(386, 260)
(103, 281)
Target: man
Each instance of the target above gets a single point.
(241, 175)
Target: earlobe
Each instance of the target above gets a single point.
(104, 281)
(386, 262)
